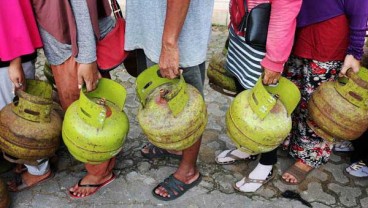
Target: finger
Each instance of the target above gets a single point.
(89, 86)
(22, 83)
(162, 72)
(24, 86)
(94, 85)
(171, 74)
(343, 71)
(17, 85)
(80, 82)
(99, 76)
(274, 81)
(265, 79)
(176, 72)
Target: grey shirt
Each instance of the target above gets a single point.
(145, 23)
(57, 53)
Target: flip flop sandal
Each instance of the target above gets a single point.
(21, 184)
(174, 187)
(97, 186)
(233, 158)
(156, 152)
(246, 179)
(298, 173)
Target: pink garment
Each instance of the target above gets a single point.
(18, 29)
(281, 29)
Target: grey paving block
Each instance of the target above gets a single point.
(315, 193)
(337, 172)
(364, 202)
(347, 195)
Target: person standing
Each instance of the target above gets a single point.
(328, 42)
(247, 63)
(69, 34)
(175, 34)
(19, 40)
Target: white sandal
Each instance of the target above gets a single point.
(230, 157)
(247, 180)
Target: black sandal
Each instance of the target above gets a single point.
(174, 187)
(156, 152)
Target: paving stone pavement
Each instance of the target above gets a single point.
(328, 186)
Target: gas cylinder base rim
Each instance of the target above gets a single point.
(98, 158)
(317, 130)
(221, 90)
(16, 160)
(249, 150)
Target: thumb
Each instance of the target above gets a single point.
(265, 77)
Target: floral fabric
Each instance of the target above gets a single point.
(303, 143)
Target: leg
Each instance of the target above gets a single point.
(35, 175)
(66, 81)
(150, 151)
(359, 158)
(187, 171)
(261, 174)
(230, 156)
(310, 150)
(360, 149)
(97, 176)
(67, 84)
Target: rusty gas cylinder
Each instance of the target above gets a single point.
(172, 114)
(29, 127)
(219, 78)
(339, 109)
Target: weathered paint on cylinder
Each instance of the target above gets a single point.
(30, 128)
(170, 132)
(340, 113)
(165, 125)
(4, 196)
(258, 120)
(217, 74)
(253, 134)
(92, 132)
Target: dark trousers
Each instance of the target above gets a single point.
(360, 149)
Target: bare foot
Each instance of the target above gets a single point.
(185, 179)
(89, 180)
(28, 180)
(290, 178)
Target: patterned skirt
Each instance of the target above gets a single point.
(303, 143)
